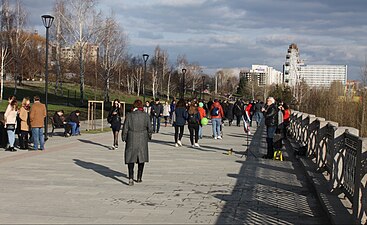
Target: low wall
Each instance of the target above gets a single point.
(340, 152)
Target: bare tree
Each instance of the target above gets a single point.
(363, 120)
(18, 40)
(80, 20)
(159, 65)
(137, 71)
(59, 39)
(4, 41)
(112, 49)
(194, 75)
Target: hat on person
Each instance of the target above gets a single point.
(201, 104)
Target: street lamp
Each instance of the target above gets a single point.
(183, 83)
(145, 57)
(202, 91)
(47, 22)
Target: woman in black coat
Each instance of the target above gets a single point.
(229, 113)
(179, 121)
(114, 118)
(136, 132)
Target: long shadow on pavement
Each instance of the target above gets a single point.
(268, 192)
(93, 143)
(103, 170)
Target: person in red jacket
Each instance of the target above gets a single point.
(248, 113)
(216, 115)
(286, 114)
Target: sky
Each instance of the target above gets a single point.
(239, 33)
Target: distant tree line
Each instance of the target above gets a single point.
(79, 23)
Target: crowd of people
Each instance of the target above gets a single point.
(28, 122)
(144, 120)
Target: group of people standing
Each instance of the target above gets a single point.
(28, 123)
(277, 116)
(24, 121)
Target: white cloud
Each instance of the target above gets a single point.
(224, 33)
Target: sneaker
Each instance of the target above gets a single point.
(131, 182)
(176, 145)
(179, 143)
(193, 146)
(215, 138)
(116, 146)
(112, 148)
(197, 145)
(219, 137)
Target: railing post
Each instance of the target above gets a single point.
(362, 191)
(338, 155)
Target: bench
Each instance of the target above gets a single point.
(54, 127)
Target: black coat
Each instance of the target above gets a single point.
(58, 121)
(157, 110)
(73, 118)
(238, 108)
(271, 116)
(116, 118)
(229, 111)
(136, 132)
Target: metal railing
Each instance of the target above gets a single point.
(335, 150)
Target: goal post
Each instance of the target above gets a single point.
(92, 111)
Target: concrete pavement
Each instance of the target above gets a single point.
(79, 180)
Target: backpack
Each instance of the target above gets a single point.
(215, 111)
(192, 119)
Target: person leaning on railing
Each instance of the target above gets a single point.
(271, 122)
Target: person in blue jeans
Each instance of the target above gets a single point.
(74, 122)
(271, 122)
(216, 115)
(38, 138)
(37, 115)
(157, 113)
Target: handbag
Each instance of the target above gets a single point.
(10, 126)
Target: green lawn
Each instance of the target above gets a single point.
(68, 102)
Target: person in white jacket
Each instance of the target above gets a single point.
(166, 112)
(10, 117)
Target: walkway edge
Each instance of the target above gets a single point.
(332, 203)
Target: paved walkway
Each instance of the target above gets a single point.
(78, 180)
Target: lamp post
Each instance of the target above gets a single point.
(47, 22)
(145, 57)
(183, 83)
(202, 91)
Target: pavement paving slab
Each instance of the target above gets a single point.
(78, 180)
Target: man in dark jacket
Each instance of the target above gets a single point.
(238, 111)
(257, 112)
(59, 121)
(271, 122)
(157, 113)
(74, 122)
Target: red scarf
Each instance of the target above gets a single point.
(140, 109)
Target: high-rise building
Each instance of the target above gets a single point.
(90, 52)
(295, 71)
(263, 75)
(323, 75)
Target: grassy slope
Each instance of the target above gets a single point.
(29, 89)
